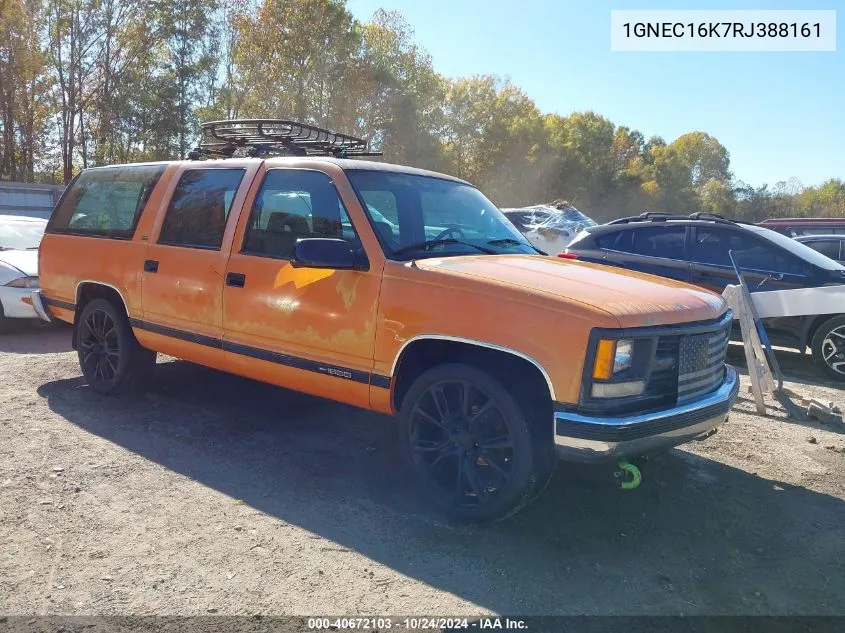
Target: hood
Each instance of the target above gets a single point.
(634, 299)
(25, 261)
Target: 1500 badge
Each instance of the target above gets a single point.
(337, 372)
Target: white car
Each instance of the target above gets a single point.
(19, 240)
(548, 227)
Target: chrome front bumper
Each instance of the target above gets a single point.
(586, 438)
(38, 305)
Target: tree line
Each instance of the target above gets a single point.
(94, 82)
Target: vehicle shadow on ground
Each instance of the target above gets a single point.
(28, 337)
(696, 537)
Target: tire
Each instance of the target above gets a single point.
(473, 457)
(828, 347)
(110, 357)
(5, 322)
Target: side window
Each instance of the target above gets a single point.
(197, 213)
(712, 246)
(655, 241)
(618, 241)
(829, 248)
(294, 204)
(106, 201)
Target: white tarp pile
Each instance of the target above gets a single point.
(550, 227)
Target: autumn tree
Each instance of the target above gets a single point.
(23, 85)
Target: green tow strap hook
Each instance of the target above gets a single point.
(627, 467)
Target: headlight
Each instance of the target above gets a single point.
(613, 375)
(24, 282)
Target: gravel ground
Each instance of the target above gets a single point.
(207, 493)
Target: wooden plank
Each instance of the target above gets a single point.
(757, 365)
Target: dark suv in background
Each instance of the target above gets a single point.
(695, 248)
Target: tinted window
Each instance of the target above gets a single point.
(294, 204)
(712, 246)
(657, 241)
(618, 241)
(105, 201)
(796, 248)
(197, 213)
(829, 248)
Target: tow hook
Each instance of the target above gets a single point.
(628, 476)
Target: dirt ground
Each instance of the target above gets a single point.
(208, 493)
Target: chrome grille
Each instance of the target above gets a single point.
(701, 363)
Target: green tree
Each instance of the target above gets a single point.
(186, 30)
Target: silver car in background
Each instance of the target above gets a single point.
(19, 240)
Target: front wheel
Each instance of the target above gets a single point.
(828, 348)
(468, 444)
(109, 355)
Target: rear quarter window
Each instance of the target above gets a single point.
(617, 241)
(105, 202)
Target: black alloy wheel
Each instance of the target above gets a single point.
(468, 443)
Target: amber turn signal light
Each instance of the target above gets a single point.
(605, 353)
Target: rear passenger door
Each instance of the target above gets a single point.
(308, 329)
(185, 261)
(658, 250)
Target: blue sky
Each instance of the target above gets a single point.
(780, 115)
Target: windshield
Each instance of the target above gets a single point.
(797, 248)
(21, 234)
(419, 216)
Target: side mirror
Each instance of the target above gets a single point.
(325, 252)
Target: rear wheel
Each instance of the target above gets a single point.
(468, 444)
(828, 348)
(109, 355)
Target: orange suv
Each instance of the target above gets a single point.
(385, 287)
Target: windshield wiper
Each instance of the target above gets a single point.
(428, 244)
(509, 241)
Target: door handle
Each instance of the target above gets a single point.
(236, 280)
(150, 266)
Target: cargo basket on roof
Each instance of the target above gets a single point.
(275, 137)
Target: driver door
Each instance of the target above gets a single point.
(308, 329)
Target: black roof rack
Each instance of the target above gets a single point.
(651, 216)
(275, 137)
